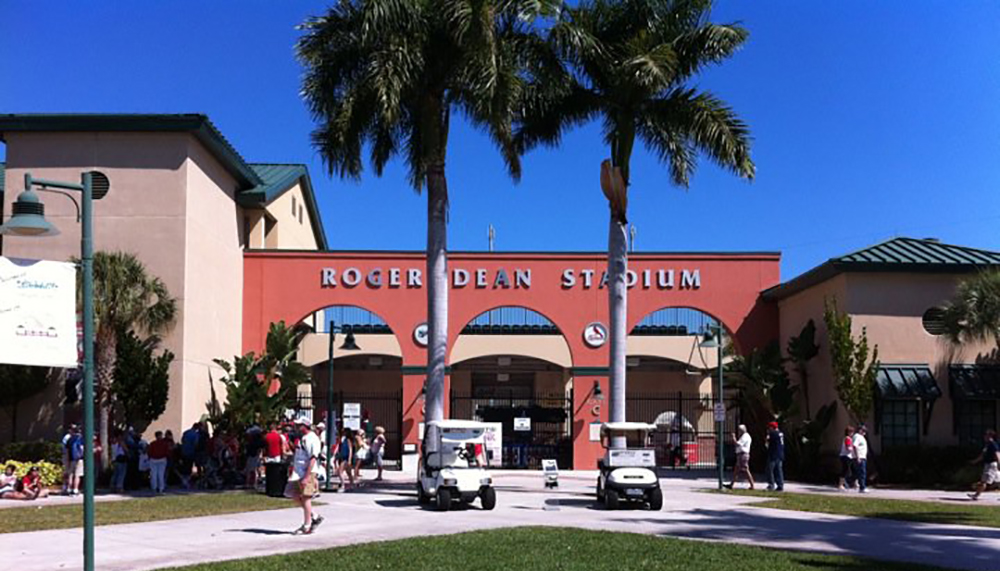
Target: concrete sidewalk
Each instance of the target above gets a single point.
(391, 512)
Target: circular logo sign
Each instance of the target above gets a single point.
(420, 334)
(595, 334)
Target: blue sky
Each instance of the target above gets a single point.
(871, 120)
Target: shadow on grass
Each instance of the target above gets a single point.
(259, 531)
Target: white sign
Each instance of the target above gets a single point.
(720, 412)
(352, 409)
(595, 431)
(620, 458)
(549, 466)
(595, 334)
(420, 334)
(352, 422)
(37, 313)
(493, 438)
(522, 424)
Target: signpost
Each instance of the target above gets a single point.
(38, 325)
(352, 415)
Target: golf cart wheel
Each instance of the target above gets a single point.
(611, 499)
(656, 500)
(489, 498)
(444, 500)
(422, 498)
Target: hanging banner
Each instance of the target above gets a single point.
(38, 313)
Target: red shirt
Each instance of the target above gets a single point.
(158, 449)
(273, 441)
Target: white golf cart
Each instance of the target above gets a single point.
(454, 467)
(628, 474)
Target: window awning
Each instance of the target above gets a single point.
(975, 381)
(907, 382)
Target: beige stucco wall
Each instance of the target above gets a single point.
(143, 214)
(213, 290)
(293, 234)
(551, 348)
(316, 346)
(890, 306)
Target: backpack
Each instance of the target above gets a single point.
(75, 446)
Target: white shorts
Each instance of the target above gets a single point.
(991, 474)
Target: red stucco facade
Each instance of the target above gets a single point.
(290, 286)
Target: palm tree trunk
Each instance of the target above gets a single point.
(437, 289)
(618, 313)
(107, 350)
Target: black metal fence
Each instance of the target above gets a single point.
(549, 436)
(380, 409)
(686, 435)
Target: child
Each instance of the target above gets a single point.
(378, 449)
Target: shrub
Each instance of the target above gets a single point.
(926, 466)
(51, 473)
(37, 451)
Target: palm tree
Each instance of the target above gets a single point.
(629, 64)
(973, 314)
(387, 74)
(126, 298)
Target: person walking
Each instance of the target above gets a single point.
(74, 454)
(743, 442)
(378, 450)
(158, 452)
(65, 458)
(360, 453)
(990, 456)
(860, 455)
(846, 459)
(775, 457)
(345, 459)
(302, 482)
(119, 457)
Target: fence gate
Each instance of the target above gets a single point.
(686, 430)
(381, 409)
(550, 434)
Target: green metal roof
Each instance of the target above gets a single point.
(276, 179)
(975, 381)
(907, 381)
(902, 254)
(195, 123)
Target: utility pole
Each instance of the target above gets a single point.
(491, 234)
(631, 243)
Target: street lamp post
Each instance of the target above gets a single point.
(713, 339)
(349, 345)
(28, 219)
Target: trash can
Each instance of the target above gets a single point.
(275, 478)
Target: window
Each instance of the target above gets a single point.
(301, 210)
(934, 321)
(900, 423)
(973, 418)
(295, 209)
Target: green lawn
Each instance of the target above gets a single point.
(986, 513)
(543, 548)
(37, 515)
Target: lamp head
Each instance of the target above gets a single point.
(709, 341)
(349, 342)
(597, 392)
(28, 218)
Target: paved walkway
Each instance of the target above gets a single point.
(391, 512)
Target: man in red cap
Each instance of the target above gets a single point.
(775, 457)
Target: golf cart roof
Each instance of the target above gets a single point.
(627, 426)
(454, 424)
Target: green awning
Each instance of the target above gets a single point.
(907, 382)
(975, 381)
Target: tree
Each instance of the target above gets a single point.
(259, 388)
(141, 380)
(801, 349)
(973, 314)
(387, 75)
(17, 383)
(126, 298)
(853, 372)
(629, 64)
